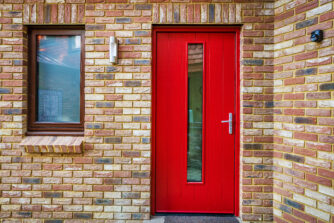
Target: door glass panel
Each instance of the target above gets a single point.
(58, 65)
(195, 112)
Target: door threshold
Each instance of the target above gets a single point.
(193, 218)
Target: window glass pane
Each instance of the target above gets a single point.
(58, 67)
(195, 112)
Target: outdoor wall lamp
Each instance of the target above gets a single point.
(317, 36)
(113, 45)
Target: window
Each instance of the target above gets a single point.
(56, 81)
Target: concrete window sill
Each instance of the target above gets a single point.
(53, 144)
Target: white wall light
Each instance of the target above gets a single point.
(113, 45)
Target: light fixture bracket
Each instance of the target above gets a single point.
(113, 48)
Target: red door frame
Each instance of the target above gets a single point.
(207, 29)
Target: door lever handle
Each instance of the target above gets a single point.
(229, 121)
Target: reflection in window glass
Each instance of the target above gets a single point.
(195, 112)
(58, 87)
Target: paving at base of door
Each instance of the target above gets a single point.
(193, 219)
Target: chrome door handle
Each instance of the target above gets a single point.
(230, 121)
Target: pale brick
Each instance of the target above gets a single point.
(319, 10)
(317, 196)
(305, 200)
(326, 104)
(315, 212)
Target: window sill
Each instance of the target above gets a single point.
(50, 133)
(53, 144)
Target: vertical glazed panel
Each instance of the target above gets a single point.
(195, 112)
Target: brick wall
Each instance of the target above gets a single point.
(111, 178)
(303, 109)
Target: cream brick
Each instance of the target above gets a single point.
(321, 9)
(263, 125)
(5, 132)
(282, 45)
(128, 111)
(284, 133)
(317, 213)
(326, 104)
(40, 201)
(141, 132)
(317, 162)
(112, 194)
(319, 78)
(294, 50)
(278, 125)
(132, 97)
(130, 209)
(277, 197)
(284, 163)
(123, 76)
(103, 215)
(269, 47)
(55, 1)
(252, 132)
(123, 104)
(100, 62)
(10, 207)
(112, 208)
(112, 167)
(94, 97)
(252, 89)
(294, 142)
(278, 83)
(277, 213)
(252, 160)
(124, 90)
(95, 55)
(282, 89)
(325, 155)
(305, 200)
(283, 30)
(11, 125)
(326, 190)
(326, 207)
(263, 54)
(282, 177)
(293, 127)
(93, 208)
(317, 196)
(124, 33)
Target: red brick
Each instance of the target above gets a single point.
(319, 180)
(294, 81)
(304, 168)
(294, 96)
(307, 6)
(322, 26)
(326, 139)
(305, 136)
(318, 112)
(284, 15)
(304, 216)
(326, 173)
(307, 55)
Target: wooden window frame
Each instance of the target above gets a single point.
(52, 128)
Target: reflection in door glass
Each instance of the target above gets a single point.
(195, 111)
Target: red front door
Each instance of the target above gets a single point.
(195, 90)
